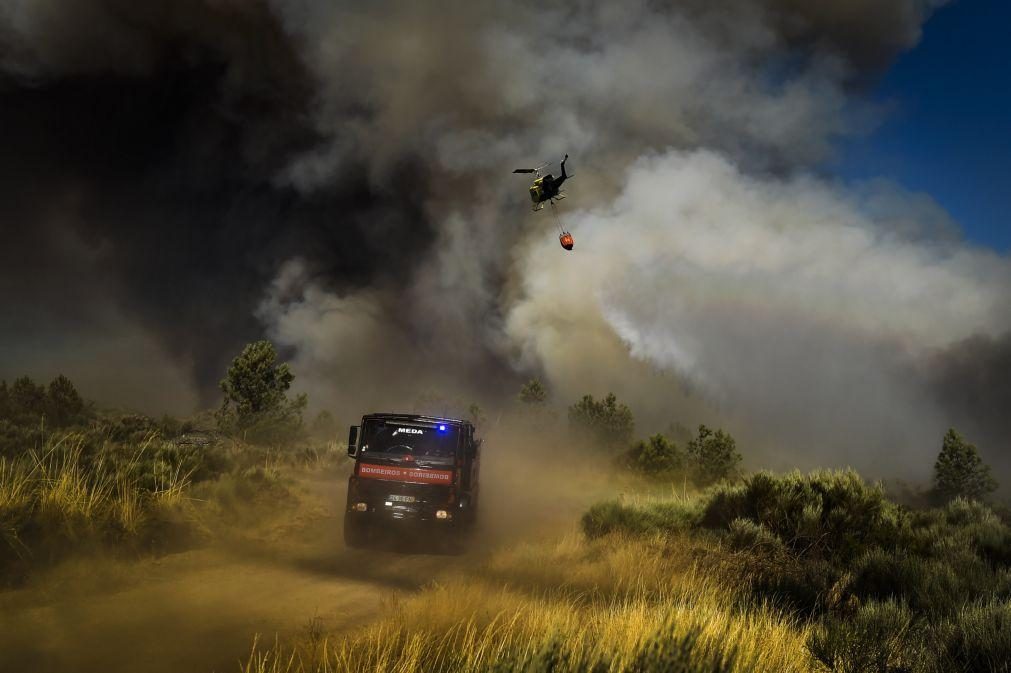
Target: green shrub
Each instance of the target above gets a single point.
(926, 585)
(656, 457)
(975, 526)
(748, 535)
(831, 513)
(17, 439)
(614, 517)
(803, 587)
(714, 456)
(891, 589)
(978, 639)
(879, 638)
(126, 429)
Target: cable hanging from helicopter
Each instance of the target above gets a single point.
(546, 188)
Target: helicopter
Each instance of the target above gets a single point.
(546, 188)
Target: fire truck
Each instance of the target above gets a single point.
(413, 475)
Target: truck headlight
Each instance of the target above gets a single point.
(441, 514)
(362, 506)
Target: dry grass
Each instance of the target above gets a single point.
(600, 601)
(53, 496)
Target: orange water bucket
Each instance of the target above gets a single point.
(566, 240)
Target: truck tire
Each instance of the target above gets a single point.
(355, 533)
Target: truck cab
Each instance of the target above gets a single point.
(412, 473)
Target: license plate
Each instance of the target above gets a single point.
(401, 498)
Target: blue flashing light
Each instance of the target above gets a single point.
(442, 428)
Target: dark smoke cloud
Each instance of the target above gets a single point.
(187, 176)
(972, 380)
(152, 133)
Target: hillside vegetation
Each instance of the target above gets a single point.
(77, 479)
(883, 588)
(737, 573)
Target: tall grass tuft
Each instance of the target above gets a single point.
(65, 494)
(620, 604)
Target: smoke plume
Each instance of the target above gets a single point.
(181, 177)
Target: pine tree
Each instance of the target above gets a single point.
(64, 402)
(27, 401)
(656, 456)
(714, 454)
(959, 470)
(607, 422)
(533, 392)
(256, 403)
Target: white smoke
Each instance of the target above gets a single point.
(798, 309)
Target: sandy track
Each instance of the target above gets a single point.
(199, 610)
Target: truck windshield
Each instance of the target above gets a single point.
(391, 438)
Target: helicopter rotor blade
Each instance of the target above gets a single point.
(524, 170)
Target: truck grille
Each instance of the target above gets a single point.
(401, 501)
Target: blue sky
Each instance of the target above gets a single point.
(948, 132)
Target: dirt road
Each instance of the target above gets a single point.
(197, 611)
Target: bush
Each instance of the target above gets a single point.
(606, 422)
(615, 517)
(16, 439)
(714, 456)
(874, 640)
(927, 585)
(655, 457)
(891, 589)
(750, 536)
(888, 637)
(959, 471)
(832, 513)
(978, 639)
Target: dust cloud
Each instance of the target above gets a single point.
(288, 577)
